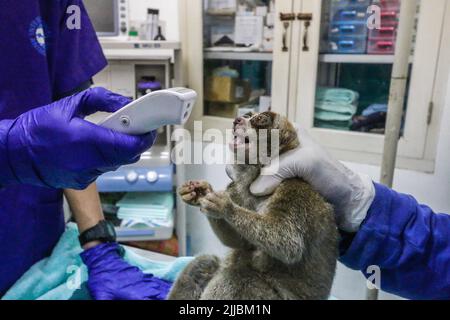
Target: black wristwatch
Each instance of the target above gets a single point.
(103, 231)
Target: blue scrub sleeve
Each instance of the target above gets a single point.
(6, 174)
(76, 54)
(408, 242)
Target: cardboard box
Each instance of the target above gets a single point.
(226, 89)
(226, 110)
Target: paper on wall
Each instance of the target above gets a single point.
(249, 30)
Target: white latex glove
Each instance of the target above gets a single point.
(350, 194)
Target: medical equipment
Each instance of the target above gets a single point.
(148, 84)
(145, 216)
(109, 17)
(152, 111)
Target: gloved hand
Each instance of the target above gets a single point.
(350, 194)
(54, 146)
(111, 278)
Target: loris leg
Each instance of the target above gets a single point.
(194, 278)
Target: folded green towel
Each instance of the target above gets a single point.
(56, 277)
(336, 95)
(337, 114)
(336, 107)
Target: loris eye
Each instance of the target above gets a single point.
(248, 115)
(263, 120)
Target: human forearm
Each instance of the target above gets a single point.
(86, 209)
(406, 241)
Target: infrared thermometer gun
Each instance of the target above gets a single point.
(152, 111)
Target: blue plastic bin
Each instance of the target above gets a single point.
(347, 45)
(347, 3)
(347, 28)
(349, 13)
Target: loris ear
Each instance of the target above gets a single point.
(230, 172)
(288, 136)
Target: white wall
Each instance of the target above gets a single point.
(168, 13)
(431, 189)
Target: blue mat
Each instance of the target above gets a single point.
(63, 276)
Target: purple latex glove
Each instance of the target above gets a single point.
(111, 278)
(53, 146)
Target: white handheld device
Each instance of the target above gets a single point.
(152, 111)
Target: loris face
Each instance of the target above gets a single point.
(247, 132)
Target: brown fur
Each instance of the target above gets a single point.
(284, 245)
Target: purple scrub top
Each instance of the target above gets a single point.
(40, 59)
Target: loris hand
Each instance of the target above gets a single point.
(192, 191)
(216, 205)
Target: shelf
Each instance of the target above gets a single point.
(140, 54)
(113, 43)
(236, 55)
(359, 58)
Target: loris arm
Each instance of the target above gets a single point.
(274, 232)
(192, 192)
(227, 235)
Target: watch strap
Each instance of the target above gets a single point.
(103, 231)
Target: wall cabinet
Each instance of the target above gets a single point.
(330, 73)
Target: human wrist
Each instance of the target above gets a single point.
(100, 233)
(359, 205)
(91, 244)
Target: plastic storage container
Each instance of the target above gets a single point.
(345, 29)
(386, 32)
(389, 17)
(349, 45)
(349, 13)
(381, 46)
(346, 3)
(391, 5)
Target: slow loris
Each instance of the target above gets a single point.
(284, 245)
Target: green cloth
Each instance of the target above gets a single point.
(332, 116)
(336, 95)
(53, 278)
(335, 108)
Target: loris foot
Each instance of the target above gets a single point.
(192, 191)
(195, 277)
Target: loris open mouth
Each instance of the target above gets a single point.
(240, 139)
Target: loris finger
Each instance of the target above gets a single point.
(185, 189)
(203, 184)
(189, 196)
